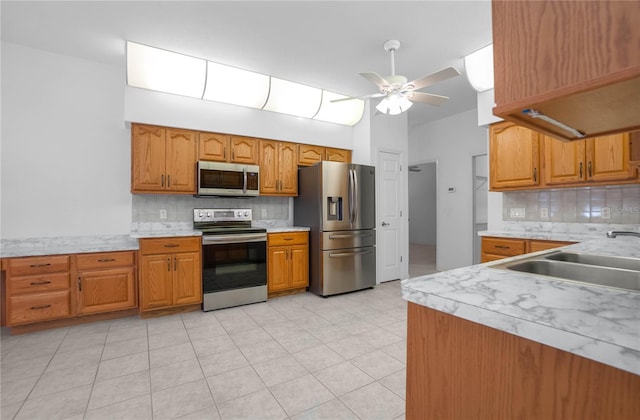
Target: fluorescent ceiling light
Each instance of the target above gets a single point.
(479, 68)
(235, 86)
(343, 112)
(394, 104)
(165, 71)
(293, 98)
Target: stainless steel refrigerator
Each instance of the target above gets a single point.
(337, 201)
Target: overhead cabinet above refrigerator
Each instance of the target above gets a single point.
(337, 201)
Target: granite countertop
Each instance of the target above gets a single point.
(599, 323)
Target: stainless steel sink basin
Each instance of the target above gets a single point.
(599, 260)
(583, 273)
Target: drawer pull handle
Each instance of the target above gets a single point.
(39, 283)
(503, 247)
(288, 239)
(80, 284)
(40, 307)
(40, 265)
(171, 245)
(106, 259)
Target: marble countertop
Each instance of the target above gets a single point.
(556, 231)
(28, 247)
(546, 236)
(599, 323)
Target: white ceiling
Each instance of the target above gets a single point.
(319, 43)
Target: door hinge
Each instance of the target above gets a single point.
(400, 258)
(400, 213)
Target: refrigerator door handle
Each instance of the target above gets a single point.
(350, 177)
(348, 254)
(355, 196)
(349, 235)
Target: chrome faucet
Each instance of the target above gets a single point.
(614, 233)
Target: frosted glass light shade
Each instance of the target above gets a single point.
(479, 68)
(394, 104)
(344, 112)
(236, 86)
(165, 71)
(293, 98)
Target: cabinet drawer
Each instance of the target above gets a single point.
(104, 260)
(38, 307)
(34, 284)
(289, 238)
(171, 245)
(506, 247)
(535, 245)
(38, 265)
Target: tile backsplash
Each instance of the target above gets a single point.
(276, 211)
(612, 204)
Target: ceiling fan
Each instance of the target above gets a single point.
(398, 93)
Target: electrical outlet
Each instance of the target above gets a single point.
(518, 213)
(544, 213)
(263, 213)
(606, 212)
(163, 213)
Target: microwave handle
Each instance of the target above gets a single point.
(244, 180)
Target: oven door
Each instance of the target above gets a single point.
(219, 178)
(235, 261)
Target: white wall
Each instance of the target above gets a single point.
(452, 142)
(65, 148)
(423, 205)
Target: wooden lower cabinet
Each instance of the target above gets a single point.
(494, 248)
(170, 272)
(287, 261)
(458, 369)
(106, 282)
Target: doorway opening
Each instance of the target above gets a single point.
(480, 204)
(422, 218)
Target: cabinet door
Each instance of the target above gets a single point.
(213, 146)
(288, 164)
(299, 260)
(181, 160)
(156, 289)
(268, 167)
(147, 158)
(308, 154)
(338, 155)
(244, 150)
(514, 156)
(564, 161)
(608, 158)
(187, 278)
(277, 268)
(106, 290)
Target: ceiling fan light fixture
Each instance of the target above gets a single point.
(394, 104)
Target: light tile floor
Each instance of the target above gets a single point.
(297, 357)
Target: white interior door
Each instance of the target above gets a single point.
(389, 214)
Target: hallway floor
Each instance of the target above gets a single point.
(422, 259)
(294, 357)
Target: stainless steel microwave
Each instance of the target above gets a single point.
(231, 179)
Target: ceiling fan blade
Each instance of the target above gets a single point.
(376, 79)
(427, 98)
(374, 95)
(431, 79)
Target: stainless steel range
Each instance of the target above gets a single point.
(234, 258)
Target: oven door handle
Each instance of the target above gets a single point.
(233, 239)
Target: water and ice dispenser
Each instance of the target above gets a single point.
(334, 208)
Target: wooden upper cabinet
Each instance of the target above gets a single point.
(244, 150)
(308, 154)
(226, 148)
(575, 61)
(278, 168)
(213, 146)
(603, 159)
(514, 156)
(337, 155)
(162, 160)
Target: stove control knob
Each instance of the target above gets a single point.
(246, 213)
(208, 214)
(200, 213)
(239, 214)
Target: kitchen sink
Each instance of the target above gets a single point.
(599, 260)
(616, 272)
